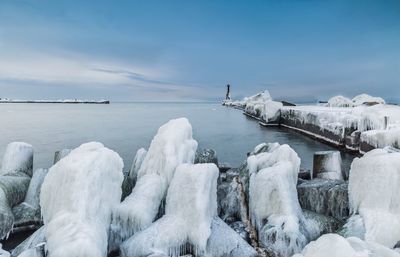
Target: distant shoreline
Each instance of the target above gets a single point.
(55, 101)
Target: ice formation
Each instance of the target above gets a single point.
(77, 197)
(61, 154)
(32, 195)
(333, 245)
(272, 110)
(18, 157)
(173, 145)
(273, 202)
(191, 205)
(137, 162)
(3, 253)
(365, 98)
(339, 101)
(13, 188)
(374, 189)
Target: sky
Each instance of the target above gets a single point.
(189, 50)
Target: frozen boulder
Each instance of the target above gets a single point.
(173, 145)
(333, 245)
(27, 214)
(367, 99)
(327, 165)
(340, 101)
(18, 157)
(325, 196)
(61, 154)
(206, 156)
(374, 189)
(322, 224)
(13, 188)
(191, 206)
(136, 164)
(273, 203)
(77, 197)
(225, 242)
(272, 111)
(228, 196)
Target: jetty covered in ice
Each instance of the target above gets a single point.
(359, 124)
(61, 101)
(176, 200)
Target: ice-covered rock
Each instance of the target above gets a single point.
(225, 242)
(77, 197)
(273, 203)
(206, 156)
(374, 189)
(27, 214)
(272, 111)
(173, 145)
(324, 224)
(191, 206)
(18, 157)
(13, 188)
(324, 196)
(327, 165)
(61, 154)
(136, 164)
(340, 101)
(367, 99)
(333, 245)
(228, 197)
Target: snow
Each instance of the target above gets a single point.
(77, 197)
(137, 162)
(18, 157)
(333, 245)
(274, 207)
(365, 98)
(32, 195)
(173, 145)
(339, 101)
(191, 205)
(381, 138)
(374, 189)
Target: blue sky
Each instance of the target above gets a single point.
(189, 50)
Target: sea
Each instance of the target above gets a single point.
(126, 127)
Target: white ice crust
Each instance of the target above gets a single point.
(173, 145)
(77, 197)
(191, 205)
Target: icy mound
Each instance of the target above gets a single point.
(339, 101)
(173, 145)
(272, 110)
(77, 197)
(190, 207)
(273, 202)
(374, 189)
(32, 195)
(137, 162)
(333, 245)
(18, 157)
(367, 99)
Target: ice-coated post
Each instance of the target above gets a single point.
(327, 164)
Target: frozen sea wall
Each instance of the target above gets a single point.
(359, 124)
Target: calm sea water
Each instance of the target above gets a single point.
(125, 127)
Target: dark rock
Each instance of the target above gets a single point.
(206, 156)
